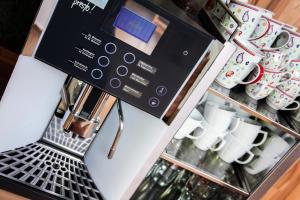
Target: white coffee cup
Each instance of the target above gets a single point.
(234, 150)
(218, 116)
(193, 122)
(240, 65)
(268, 155)
(213, 139)
(247, 131)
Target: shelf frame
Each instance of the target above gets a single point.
(203, 174)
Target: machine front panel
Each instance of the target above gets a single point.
(133, 50)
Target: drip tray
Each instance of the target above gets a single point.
(49, 170)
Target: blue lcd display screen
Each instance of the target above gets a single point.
(134, 25)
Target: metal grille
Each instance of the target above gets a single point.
(69, 141)
(49, 170)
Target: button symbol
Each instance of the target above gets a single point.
(129, 58)
(115, 83)
(153, 102)
(185, 53)
(110, 48)
(122, 70)
(103, 61)
(161, 90)
(97, 74)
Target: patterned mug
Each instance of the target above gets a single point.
(292, 48)
(279, 100)
(267, 84)
(266, 41)
(249, 15)
(273, 75)
(292, 86)
(240, 65)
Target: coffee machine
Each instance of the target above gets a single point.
(92, 104)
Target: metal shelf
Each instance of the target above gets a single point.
(256, 114)
(203, 174)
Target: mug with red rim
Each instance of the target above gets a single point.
(244, 60)
(267, 84)
(276, 28)
(279, 100)
(248, 15)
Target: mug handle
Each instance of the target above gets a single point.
(273, 49)
(257, 78)
(264, 33)
(198, 136)
(223, 142)
(265, 136)
(251, 156)
(236, 125)
(296, 102)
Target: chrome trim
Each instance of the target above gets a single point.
(113, 148)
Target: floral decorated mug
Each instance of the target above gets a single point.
(249, 16)
(292, 48)
(279, 100)
(240, 65)
(273, 75)
(292, 86)
(266, 41)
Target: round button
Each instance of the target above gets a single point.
(110, 48)
(129, 58)
(115, 83)
(103, 61)
(161, 90)
(185, 53)
(122, 70)
(97, 74)
(153, 102)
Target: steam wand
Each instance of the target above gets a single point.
(113, 148)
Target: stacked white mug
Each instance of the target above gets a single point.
(241, 141)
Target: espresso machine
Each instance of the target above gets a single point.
(98, 93)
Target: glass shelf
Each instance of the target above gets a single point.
(208, 166)
(285, 128)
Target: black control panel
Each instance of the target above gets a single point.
(138, 51)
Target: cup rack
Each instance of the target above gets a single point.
(285, 128)
(242, 185)
(203, 173)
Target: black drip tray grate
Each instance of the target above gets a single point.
(49, 170)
